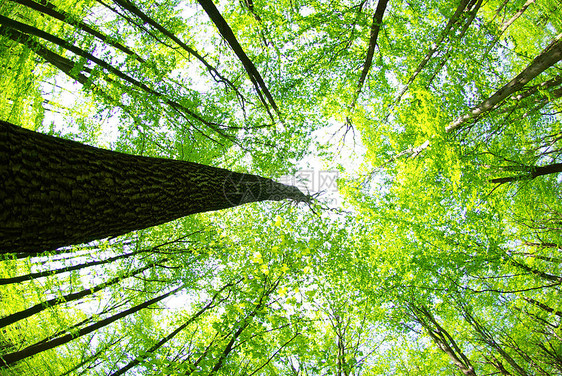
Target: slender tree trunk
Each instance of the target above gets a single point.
(488, 339)
(442, 339)
(542, 245)
(51, 10)
(534, 172)
(227, 33)
(92, 357)
(544, 275)
(550, 56)
(459, 38)
(67, 66)
(52, 272)
(17, 316)
(435, 46)
(508, 23)
(64, 64)
(164, 340)
(18, 27)
(56, 192)
(87, 321)
(130, 7)
(11, 358)
(543, 306)
(246, 321)
(375, 28)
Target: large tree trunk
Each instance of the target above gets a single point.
(56, 192)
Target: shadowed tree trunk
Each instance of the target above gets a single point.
(213, 303)
(227, 33)
(39, 307)
(375, 28)
(11, 358)
(56, 192)
(531, 172)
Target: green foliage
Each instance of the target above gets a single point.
(427, 239)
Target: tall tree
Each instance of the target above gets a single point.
(57, 192)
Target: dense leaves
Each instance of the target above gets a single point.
(439, 254)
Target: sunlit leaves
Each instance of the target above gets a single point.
(421, 225)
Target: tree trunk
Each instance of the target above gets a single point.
(11, 358)
(130, 7)
(64, 64)
(65, 269)
(39, 307)
(243, 325)
(435, 46)
(227, 33)
(442, 339)
(51, 10)
(213, 303)
(15, 28)
(533, 172)
(548, 57)
(375, 28)
(543, 306)
(56, 192)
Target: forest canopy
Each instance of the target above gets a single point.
(425, 135)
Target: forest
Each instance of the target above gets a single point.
(292, 188)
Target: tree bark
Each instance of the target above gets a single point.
(543, 306)
(544, 275)
(56, 192)
(508, 23)
(245, 322)
(488, 339)
(459, 38)
(92, 357)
